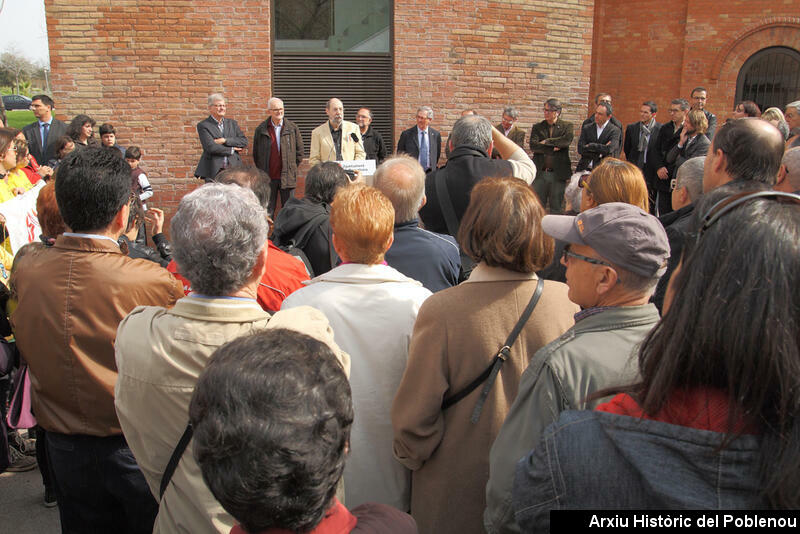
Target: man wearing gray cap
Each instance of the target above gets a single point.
(615, 255)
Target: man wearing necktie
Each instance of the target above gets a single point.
(221, 138)
(422, 142)
(43, 134)
(641, 147)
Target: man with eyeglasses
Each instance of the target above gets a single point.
(278, 150)
(615, 256)
(373, 141)
(222, 140)
(668, 136)
(549, 143)
(699, 99)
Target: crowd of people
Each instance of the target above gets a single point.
(456, 348)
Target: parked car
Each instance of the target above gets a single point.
(16, 102)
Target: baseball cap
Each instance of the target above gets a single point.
(621, 233)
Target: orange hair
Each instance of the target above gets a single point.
(615, 180)
(362, 219)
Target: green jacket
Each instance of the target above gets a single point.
(600, 351)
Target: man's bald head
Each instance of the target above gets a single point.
(402, 179)
(746, 149)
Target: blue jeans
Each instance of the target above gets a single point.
(99, 485)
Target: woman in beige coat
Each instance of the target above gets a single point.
(456, 336)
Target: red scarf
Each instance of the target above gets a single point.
(337, 520)
(700, 408)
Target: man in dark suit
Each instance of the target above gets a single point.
(599, 139)
(43, 134)
(222, 140)
(550, 140)
(668, 136)
(641, 145)
(603, 97)
(422, 135)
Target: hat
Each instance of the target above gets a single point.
(621, 233)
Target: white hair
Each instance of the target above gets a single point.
(215, 97)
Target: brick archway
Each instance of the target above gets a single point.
(778, 31)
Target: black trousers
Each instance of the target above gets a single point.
(274, 188)
(99, 485)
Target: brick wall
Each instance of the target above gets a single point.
(661, 49)
(485, 55)
(148, 66)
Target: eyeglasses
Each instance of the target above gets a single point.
(673, 184)
(548, 110)
(583, 181)
(728, 204)
(569, 254)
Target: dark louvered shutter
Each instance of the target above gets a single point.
(306, 82)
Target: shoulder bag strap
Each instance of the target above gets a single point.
(174, 460)
(489, 375)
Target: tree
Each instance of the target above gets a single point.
(17, 66)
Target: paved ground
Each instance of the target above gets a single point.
(21, 508)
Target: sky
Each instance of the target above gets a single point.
(24, 29)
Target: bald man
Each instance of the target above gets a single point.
(336, 139)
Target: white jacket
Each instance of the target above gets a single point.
(372, 309)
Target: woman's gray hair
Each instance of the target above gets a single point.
(572, 193)
(217, 235)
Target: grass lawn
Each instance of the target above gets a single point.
(19, 118)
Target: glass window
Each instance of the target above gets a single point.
(332, 26)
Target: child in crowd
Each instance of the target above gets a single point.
(140, 185)
(108, 138)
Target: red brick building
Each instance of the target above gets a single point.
(660, 50)
(148, 66)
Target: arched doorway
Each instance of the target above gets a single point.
(770, 77)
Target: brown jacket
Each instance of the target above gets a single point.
(457, 333)
(71, 299)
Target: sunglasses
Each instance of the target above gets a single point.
(569, 254)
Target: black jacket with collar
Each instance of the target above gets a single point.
(466, 167)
